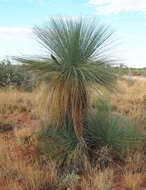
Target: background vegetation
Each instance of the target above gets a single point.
(15, 76)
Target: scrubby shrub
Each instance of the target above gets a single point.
(139, 72)
(5, 73)
(6, 126)
(13, 75)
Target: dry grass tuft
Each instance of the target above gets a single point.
(132, 181)
(15, 172)
(24, 133)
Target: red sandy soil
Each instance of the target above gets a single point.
(9, 138)
(18, 151)
(21, 119)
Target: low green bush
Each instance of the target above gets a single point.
(13, 75)
(111, 130)
(6, 126)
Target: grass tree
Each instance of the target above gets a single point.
(75, 61)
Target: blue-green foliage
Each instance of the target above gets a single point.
(112, 131)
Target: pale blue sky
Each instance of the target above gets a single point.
(127, 18)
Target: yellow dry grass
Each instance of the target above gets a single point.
(31, 177)
(130, 101)
(13, 100)
(17, 174)
(132, 181)
(130, 98)
(24, 132)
